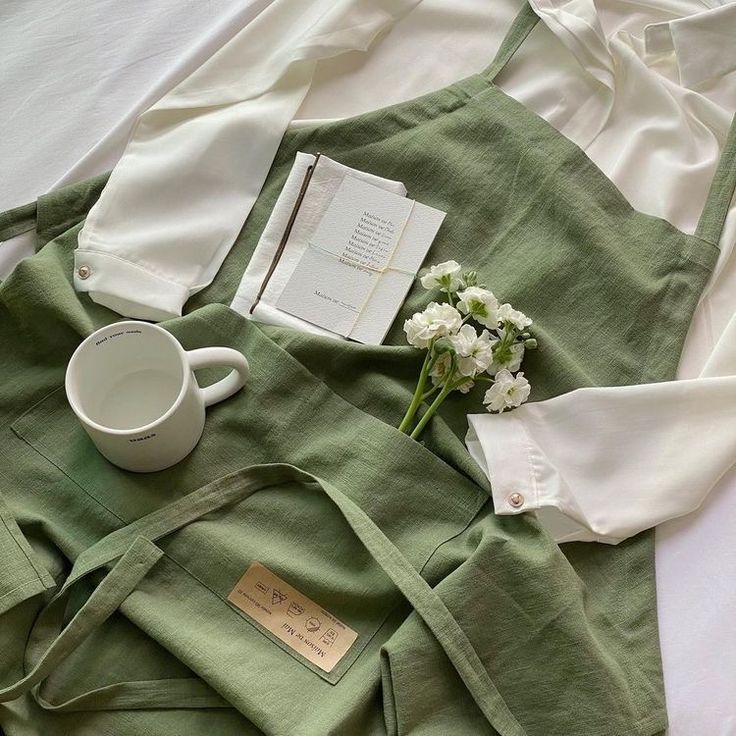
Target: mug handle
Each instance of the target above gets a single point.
(214, 358)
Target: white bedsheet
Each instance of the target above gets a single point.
(73, 77)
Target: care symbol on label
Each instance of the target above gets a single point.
(277, 597)
(295, 610)
(312, 624)
(329, 637)
(263, 588)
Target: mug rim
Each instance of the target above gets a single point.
(82, 415)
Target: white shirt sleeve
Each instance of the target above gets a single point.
(198, 158)
(602, 464)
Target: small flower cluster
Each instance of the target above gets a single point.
(457, 355)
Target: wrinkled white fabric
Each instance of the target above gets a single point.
(154, 238)
(72, 71)
(602, 464)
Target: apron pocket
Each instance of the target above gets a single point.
(307, 530)
(285, 565)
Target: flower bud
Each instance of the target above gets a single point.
(470, 278)
(444, 345)
(530, 344)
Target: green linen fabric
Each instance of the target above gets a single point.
(467, 623)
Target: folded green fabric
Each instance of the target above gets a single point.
(466, 623)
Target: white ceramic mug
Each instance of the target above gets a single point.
(132, 386)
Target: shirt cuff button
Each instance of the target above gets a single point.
(84, 272)
(516, 500)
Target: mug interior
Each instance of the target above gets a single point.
(126, 376)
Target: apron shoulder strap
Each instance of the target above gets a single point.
(515, 36)
(718, 202)
(18, 220)
(721, 192)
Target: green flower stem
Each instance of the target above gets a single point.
(501, 350)
(485, 379)
(431, 391)
(460, 381)
(510, 335)
(446, 389)
(418, 393)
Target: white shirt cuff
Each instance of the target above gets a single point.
(126, 287)
(501, 448)
(522, 477)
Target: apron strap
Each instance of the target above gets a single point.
(17, 221)
(139, 554)
(515, 36)
(104, 601)
(721, 192)
(432, 610)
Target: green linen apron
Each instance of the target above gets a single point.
(114, 616)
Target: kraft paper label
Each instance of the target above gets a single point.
(299, 622)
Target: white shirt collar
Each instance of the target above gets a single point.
(704, 44)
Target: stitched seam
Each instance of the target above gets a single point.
(41, 572)
(436, 458)
(29, 583)
(38, 445)
(685, 252)
(133, 264)
(19, 547)
(533, 470)
(462, 531)
(462, 98)
(645, 371)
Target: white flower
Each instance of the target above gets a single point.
(481, 304)
(474, 351)
(506, 313)
(510, 359)
(444, 318)
(507, 392)
(440, 368)
(466, 385)
(439, 374)
(445, 275)
(437, 320)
